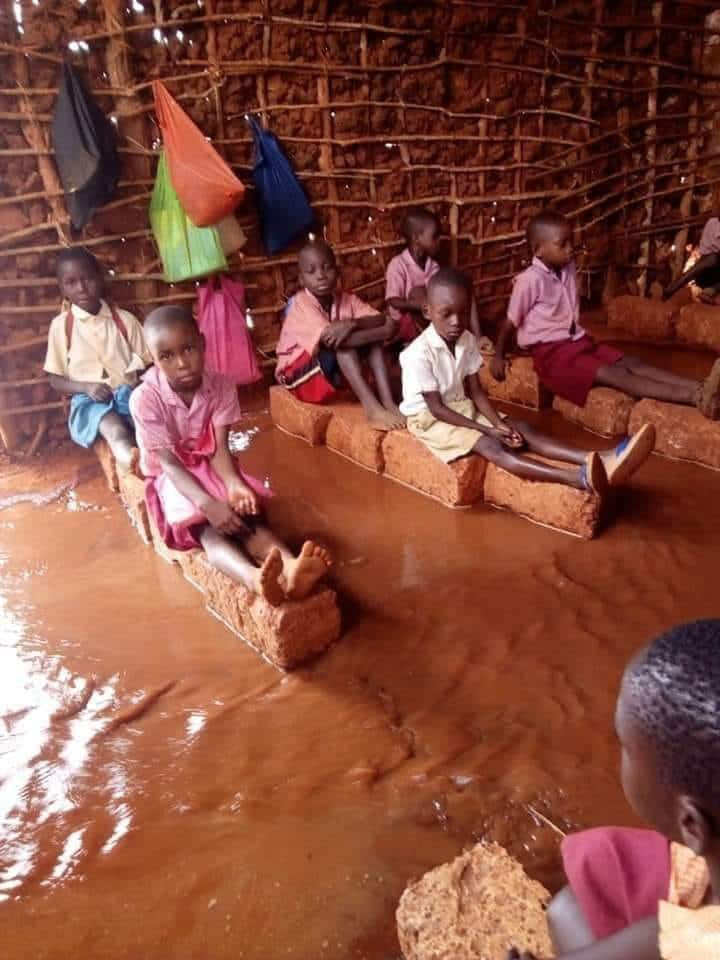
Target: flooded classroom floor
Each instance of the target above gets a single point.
(165, 794)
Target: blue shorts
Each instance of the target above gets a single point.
(86, 414)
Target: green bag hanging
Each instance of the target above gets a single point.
(187, 251)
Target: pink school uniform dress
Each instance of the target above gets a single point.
(403, 274)
(164, 422)
(545, 310)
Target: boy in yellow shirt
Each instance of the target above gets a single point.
(95, 354)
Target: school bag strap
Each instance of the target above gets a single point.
(117, 319)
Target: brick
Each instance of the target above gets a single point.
(286, 635)
(408, 462)
(699, 325)
(132, 494)
(309, 421)
(521, 385)
(645, 318)
(683, 433)
(607, 412)
(350, 435)
(550, 504)
(102, 451)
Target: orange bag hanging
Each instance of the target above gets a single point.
(205, 184)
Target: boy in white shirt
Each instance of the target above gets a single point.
(447, 409)
(95, 354)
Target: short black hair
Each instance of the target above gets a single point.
(449, 277)
(321, 246)
(77, 255)
(416, 219)
(171, 315)
(674, 687)
(541, 223)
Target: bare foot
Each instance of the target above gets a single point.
(382, 419)
(268, 578)
(303, 573)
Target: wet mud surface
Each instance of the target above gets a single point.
(166, 794)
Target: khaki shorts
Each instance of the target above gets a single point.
(445, 440)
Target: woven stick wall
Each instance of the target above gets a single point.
(485, 111)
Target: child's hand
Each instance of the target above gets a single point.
(222, 517)
(510, 438)
(100, 392)
(390, 327)
(497, 367)
(418, 296)
(336, 332)
(243, 500)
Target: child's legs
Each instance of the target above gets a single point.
(261, 540)
(378, 365)
(381, 415)
(228, 556)
(119, 436)
(642, 369)
(524, 467)
(639, 384)
(547, 446)
(568, 927)
(351, 367)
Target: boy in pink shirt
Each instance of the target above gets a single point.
(544, 311)
(195, 492)
(407, 275)
(329, 334)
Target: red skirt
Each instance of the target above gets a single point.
(618, 875)
(569, 367)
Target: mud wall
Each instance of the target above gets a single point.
(485, 111)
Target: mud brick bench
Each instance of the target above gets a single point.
(699, 325)
(286, 635)
(401, 457)
(644, 318)
(521, 384)
(607, 412)
(682, 433)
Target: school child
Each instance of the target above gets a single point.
(702, 270)
(95, 353)
(447, 409)
(195, 493)
(640, 894)
(328, 334)
(407, 275)
(544, 310)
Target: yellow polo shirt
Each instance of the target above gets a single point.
(99, 353)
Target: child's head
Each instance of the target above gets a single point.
(668, 723)
(421, 229)
(448, 303)
(80, 278)
(177, 346)
(317, 268)
(550, 238)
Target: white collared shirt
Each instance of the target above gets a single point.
(429, 366)
(99, 352)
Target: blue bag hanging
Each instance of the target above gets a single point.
(283, 205)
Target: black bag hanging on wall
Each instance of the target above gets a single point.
(85, 149)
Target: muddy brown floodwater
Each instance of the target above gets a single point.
(167, 795)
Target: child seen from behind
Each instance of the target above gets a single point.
(195, 492)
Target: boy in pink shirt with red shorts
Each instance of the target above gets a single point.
(544, 311)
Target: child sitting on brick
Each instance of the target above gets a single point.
(195, 492)
(407, 275)
(544, 309)
(637, 894)
(448, 411)
(702, 270)
(95, 353)
(328, 334)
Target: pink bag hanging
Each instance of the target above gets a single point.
(230, 349)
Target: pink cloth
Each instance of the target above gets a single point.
(306, 319)
(544, 306)
(618, 875)
(163, 422)
(221, 317)
(403, 274)
(710, 239)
